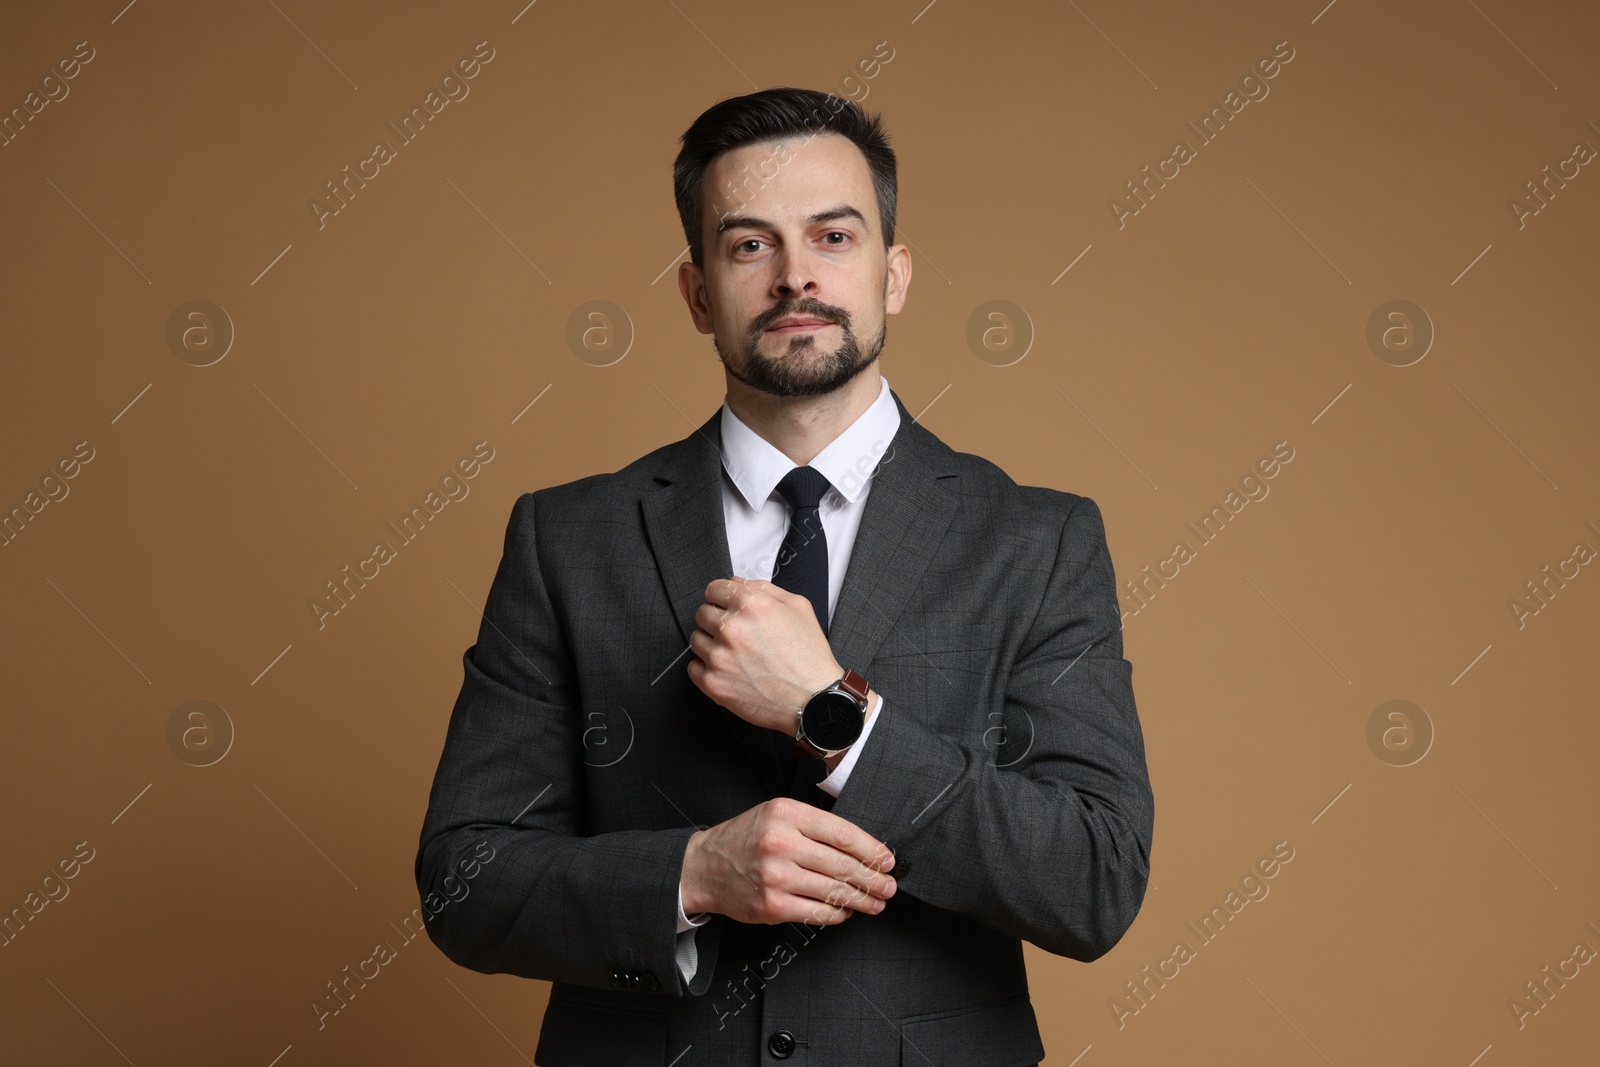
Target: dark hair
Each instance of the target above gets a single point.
(770, 115)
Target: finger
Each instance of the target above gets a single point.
(710, 617)
(842, 834)
(852, 882)
(812, 910)
(833, 895)
(842, 882)
(726, 592)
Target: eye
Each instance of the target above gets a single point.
(747, 241)
(837, 233)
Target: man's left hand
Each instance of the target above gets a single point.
(760, 652)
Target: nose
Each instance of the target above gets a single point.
(796, 275)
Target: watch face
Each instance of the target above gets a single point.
(832, 721)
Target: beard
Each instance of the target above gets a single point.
(804, 368)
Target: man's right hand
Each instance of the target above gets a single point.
(786, 861)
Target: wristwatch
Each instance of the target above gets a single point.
(832, 720)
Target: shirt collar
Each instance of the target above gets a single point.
(755, 466)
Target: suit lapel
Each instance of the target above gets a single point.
(907, 512)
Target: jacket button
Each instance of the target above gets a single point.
(617, 981)
(781, 1043)
(649, 982)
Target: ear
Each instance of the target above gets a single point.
(692, 285)
(897, 280)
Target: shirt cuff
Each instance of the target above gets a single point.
(686, 923)
(834, 783)
(687, 953)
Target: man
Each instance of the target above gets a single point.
(780, 741)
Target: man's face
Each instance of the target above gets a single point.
(791, 231)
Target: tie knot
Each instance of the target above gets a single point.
(803, 487)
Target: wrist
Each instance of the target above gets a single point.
(688, 883)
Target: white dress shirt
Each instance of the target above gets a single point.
(757, 518)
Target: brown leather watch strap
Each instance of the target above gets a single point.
(855, 685)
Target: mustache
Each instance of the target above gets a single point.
(819, 311)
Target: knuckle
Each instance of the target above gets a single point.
(782, 807)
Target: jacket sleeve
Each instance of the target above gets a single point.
(1048, 836)
(508, 879)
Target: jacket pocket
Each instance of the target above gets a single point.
(933, 651)
(1002, 1033)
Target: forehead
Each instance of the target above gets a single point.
(784, 180)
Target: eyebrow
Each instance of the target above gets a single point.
(843, 211)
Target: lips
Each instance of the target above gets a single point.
(798, 325)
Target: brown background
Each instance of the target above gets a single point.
(371, 354)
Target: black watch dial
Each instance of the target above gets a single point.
(832, 721)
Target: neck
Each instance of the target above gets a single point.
(802, 426)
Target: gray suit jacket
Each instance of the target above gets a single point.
(1007, 772)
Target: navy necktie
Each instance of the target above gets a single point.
(802, 568)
